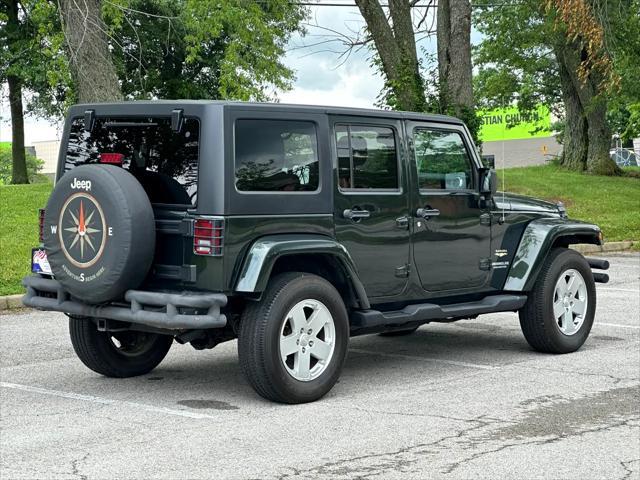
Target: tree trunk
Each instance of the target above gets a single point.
(454, 55)
(19, 161)
(575, 140)
(396, 47)
(594, 109)
(91, 63)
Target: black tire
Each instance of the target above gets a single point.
(537, 320)
(114, 251)
(97, 350)
(260, 329)
(399, 333)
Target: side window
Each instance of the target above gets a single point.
(442, 160)
(367, 157)
(276, 156)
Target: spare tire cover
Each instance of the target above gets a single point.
(99, 232)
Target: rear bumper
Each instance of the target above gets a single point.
(154, 309)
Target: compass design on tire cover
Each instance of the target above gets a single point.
(82, 230)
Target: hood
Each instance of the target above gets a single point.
(520, 203)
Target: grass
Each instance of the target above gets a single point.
(611, 202)
(19, 206)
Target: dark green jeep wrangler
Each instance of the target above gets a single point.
(291, 228)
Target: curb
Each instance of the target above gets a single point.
(11, 302)
(608, 247)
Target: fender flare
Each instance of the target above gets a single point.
(263, 254)
(536, 242)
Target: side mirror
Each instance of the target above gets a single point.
(489, 161)
(488, 182)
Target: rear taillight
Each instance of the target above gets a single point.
(41, 224)
(208, 235)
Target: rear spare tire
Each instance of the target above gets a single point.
(99, 232)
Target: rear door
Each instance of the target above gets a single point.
(452, 232)
(371, 204)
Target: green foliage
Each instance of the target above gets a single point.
(34, 165)
(19, 206)
(616, 208)
(229, 49)
(33, 51)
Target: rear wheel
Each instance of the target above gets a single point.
(559, 313)
(292, 343)
(117, 354)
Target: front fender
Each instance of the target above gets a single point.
(536, 242)
(263, 254)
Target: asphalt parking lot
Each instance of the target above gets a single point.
(463, 400)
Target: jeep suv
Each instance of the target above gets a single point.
(291, 228)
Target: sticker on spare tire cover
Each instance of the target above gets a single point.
(83, 232)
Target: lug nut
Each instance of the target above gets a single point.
(311, 343)
(297, 342)
(309, 331)
(302, 330)
(303, 350)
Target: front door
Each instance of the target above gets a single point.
(452, 233)
(371, 202)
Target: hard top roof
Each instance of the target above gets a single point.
(283, 107)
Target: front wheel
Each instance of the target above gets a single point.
(559, 313)
(292, 344)
(117, 354)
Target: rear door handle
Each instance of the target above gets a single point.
(355, 214)
(427, 212)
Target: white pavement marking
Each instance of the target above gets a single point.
(105, 401)
(637, 290)
(426, 359)
(636, 327)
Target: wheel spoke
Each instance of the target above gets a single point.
(302, 363)
(321, 350)
(572, 285)
(298, 318)
(561, 287)
(288, 345)
(579, 306)
(558, 308)
(567, 323)
(317, 320)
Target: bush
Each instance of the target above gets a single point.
(34, 165)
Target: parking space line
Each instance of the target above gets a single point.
(619, 325)
(426, 359)
(105, 401)
(613, 289)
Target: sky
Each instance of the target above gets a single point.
(322, 78)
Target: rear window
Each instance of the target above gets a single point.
(165, 162)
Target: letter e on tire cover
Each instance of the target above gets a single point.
(99, 232)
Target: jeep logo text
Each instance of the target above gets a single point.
(81, 184)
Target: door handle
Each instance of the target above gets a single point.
(427, 212)
(355, 214)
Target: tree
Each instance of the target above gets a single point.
(549, 59)
(394, 38)
(92, 67)
(32, 66)
(454, 56)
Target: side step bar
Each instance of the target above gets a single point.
(425, 312)
(600, 265)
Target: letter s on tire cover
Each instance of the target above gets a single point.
(99, 232)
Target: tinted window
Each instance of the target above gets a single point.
(442, 160)
(276, 156)
(164, 162)
(366, 157)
